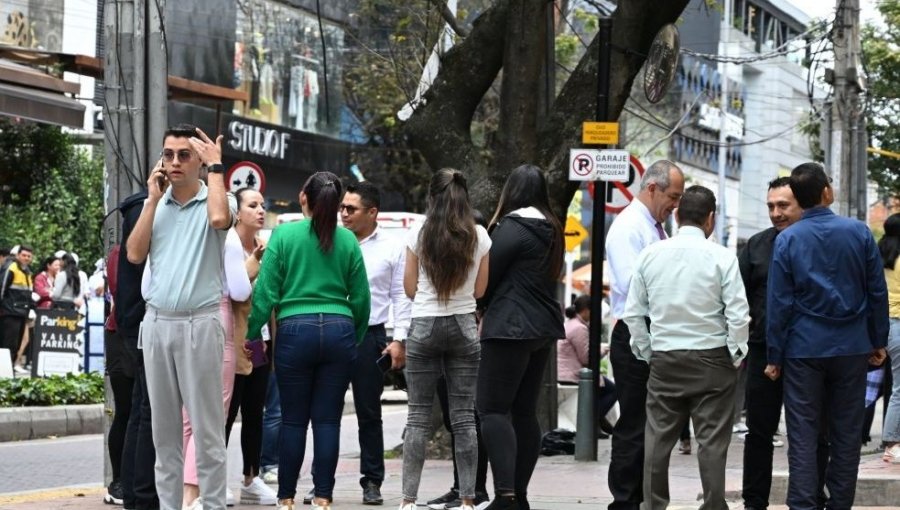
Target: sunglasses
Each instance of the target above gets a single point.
(184, 155)
(351, 209)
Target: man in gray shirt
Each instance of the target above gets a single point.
(182, 228)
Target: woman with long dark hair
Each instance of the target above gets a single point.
(313, 275)
(521, 320)
(70, 284)
(889, 246)
(446, 270)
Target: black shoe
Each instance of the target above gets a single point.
(372, 494)
(113, 494)
(523, 501)
(504, 503)
(440, 503)
(481, 500)
(307, 500)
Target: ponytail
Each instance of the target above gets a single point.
(323, 192)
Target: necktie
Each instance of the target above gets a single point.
(660, 231)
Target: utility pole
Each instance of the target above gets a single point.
(135, 78)
(721, 217)
(843, 159)
(136, 95)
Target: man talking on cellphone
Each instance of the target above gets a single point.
(182, 229)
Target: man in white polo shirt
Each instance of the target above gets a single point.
(182, 228)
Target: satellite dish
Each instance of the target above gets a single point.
(659, 70)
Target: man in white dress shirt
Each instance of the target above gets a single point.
(384, 258)
(635, 228)
(692, 291)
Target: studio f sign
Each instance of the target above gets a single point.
(258, 140)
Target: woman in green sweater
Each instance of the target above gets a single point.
(314, 277)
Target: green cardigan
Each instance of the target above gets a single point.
(296, 278)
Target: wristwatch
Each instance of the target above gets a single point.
(216, 168)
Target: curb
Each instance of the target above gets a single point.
(23, 423)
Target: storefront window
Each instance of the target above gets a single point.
(280, 64)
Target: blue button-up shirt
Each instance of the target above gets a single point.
(826, 291)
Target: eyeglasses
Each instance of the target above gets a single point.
(351, 209)
(184, 155)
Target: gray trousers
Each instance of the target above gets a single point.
(183, 354)
(439, 346)
(684, 385)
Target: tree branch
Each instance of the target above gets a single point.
(635, 24)
(440, 129)
(450, 18)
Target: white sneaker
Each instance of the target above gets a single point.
(229, 497)
(326, 506)
(408, 506)
(777, 443)
(286, 505)
(270, 477)
(196, 505)
(739, 428)
(20, 370)
(258, 493)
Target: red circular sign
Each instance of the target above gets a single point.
(620, 194)
(245, 174)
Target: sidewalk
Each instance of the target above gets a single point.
(559, 483)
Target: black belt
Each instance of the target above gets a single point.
(377, 327)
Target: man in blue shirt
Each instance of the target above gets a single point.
(827, 316)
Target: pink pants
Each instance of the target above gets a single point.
(228, 369)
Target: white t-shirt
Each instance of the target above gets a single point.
(462, 300)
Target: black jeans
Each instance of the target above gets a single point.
(249, 396)
(368, 385)
(481, 469)
(138, 454)
(764, 400)
(626, 463)
(122, 388)
(509, 381)
(11, 329)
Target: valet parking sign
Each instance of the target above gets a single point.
(58, 343)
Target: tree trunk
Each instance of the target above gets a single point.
(440, 130)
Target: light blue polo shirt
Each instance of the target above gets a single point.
(186, 260)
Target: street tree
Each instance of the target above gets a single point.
(881, 49)
(511, 35)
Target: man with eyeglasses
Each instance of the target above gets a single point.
(384, 259)
(827, 320)
(182, 229)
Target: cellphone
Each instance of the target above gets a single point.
(258, 355)
(384, 362)
(163, 180)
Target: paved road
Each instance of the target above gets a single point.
(78, 460)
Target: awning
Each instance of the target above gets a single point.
(31, 94)
(40, 106)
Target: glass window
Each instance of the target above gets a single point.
(279, 62)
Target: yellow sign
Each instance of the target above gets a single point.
(606, 133)
(575, 233)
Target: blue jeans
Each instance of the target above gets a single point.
(314, 359)
(271, 427)
(892, 420)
